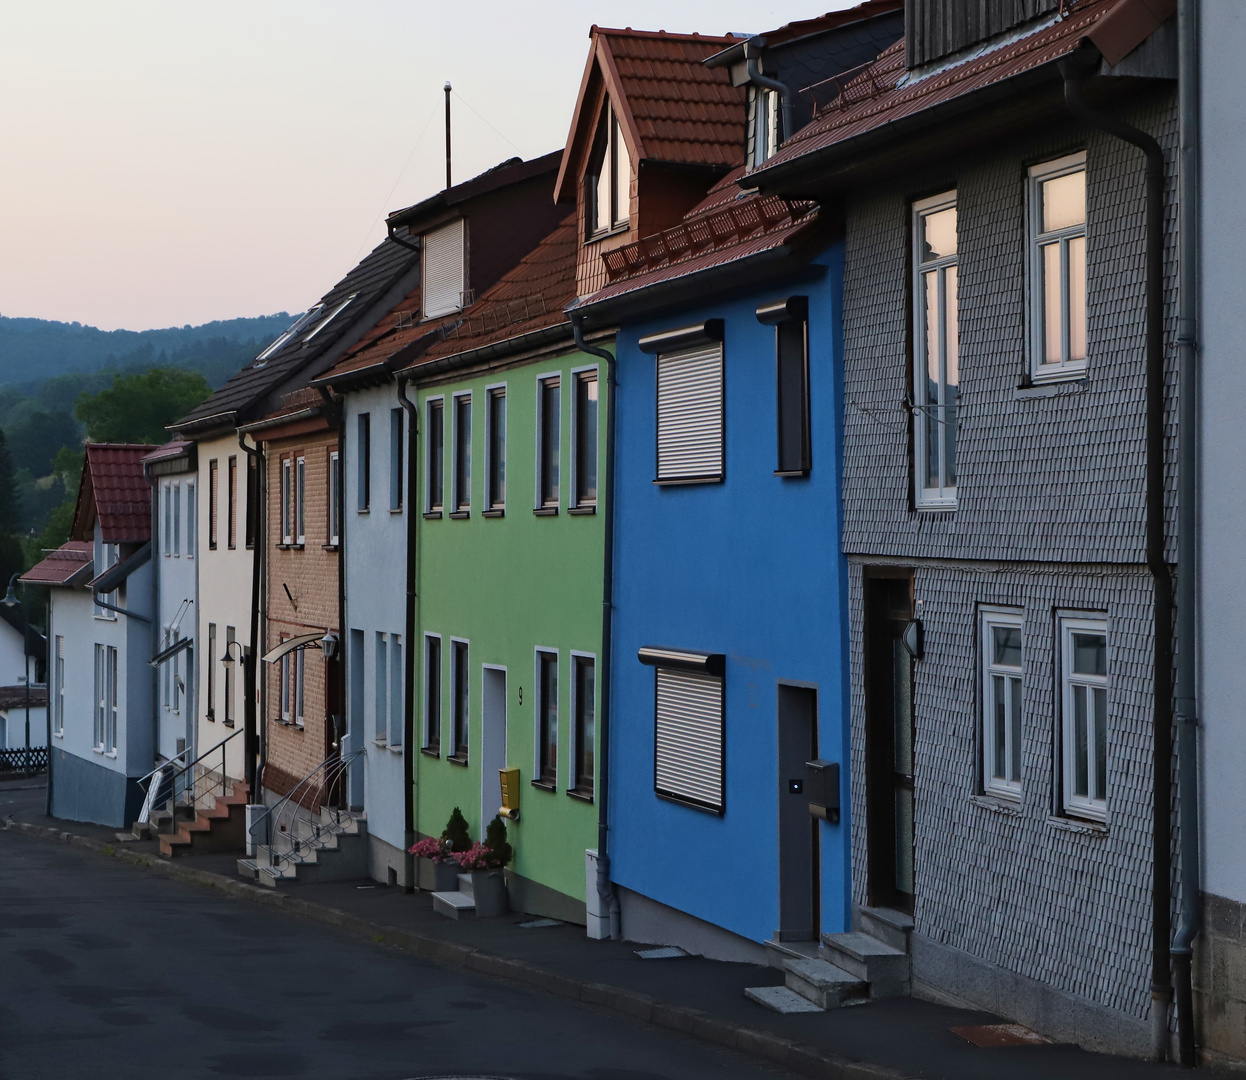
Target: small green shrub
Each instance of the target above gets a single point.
(457, 834)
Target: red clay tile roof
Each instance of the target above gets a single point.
(884, 91)
(115, 490)
(529, 297)
(672, 108)
(724, 228)
(60, 566)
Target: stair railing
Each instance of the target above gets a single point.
(180, 788)
(282, 822)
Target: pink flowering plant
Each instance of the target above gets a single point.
(433, 848)
(492, 854)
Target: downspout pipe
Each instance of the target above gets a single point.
(336, 411)
(1075, 71)
(389, 228)
(1189, 213)
(156, 643)
(605, 887)
(255, 742)
(753, 56)
(408, 705)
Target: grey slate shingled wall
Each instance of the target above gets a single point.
(1050, 517)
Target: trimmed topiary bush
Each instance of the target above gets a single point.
(457, 834)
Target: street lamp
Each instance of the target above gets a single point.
(10, 601)
(250, 738)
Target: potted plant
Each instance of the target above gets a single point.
(484, 862)
(440, 851)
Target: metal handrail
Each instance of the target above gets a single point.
(330, 771)
(195, 795)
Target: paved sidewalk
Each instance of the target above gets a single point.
(880, 1040)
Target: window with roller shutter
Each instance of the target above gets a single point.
(689, 738)
(444, 270)
(690, 414)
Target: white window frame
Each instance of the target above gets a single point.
(425, 713)
(943, 495)
(300, 685)
(1095, 809)
(335, 497)
(461, 502)
(573, 496)
(300, 499)
(58, 714)
(1009, 785)
(380, 687)
(109, 556)
(615, 162)
(285, 685)
(166, 492)
(287, 501)
(191, 516)
(763, 102)
(101, 683)
(539, 502)
(430, 405)
(110, 731)
(173, 678)
(1038, 239)
(493, 393)
(538, 701)
(454, 754)
(175, 492)
(397, 687)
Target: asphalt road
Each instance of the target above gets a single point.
(107, 971)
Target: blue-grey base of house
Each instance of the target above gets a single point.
(946, 973)
(83, 790)
(645, 920)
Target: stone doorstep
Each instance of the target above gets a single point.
(779, 952)
(781, 999)
(454, 905)
(891, 927)
(822, 983)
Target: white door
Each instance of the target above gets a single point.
(493, 743)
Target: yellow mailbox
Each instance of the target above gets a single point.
(509, 779)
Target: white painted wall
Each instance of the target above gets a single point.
(12, 655)
(1222, 421)
(174, 564)
(13, 727)
(376, 543)
(224, 599)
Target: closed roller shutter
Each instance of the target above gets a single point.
(443, 270)
(690, 414)
(688, 741)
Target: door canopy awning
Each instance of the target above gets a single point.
(171, 651)
(303, 641)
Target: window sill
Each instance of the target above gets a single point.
(106, 618)
(210, 716)
(394, 748)
(1051, 388)
(58, 734)
(683, 481)
(211, 547)
(395, 509)
(432, 515)
(330, 546)
(460, 515)
(793, 474)
(1080, 826)
(582, 511)
(493, 513)
(110, 754)
(1074, 377)
(458, 759)
(998, 804)
(545, 785)
(228, 723)
(602, 234)
(380, 742)
(580, 796)
(289, 547)
(431, 751)
(363, 510)
(546, 511)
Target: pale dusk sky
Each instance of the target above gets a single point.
(165, 162)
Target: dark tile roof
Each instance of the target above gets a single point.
(674, 108)
(248, 389)
(174, 448)
(527, 298)
(115, 490)
(885, 91)
(512, 171)
(305, 402)
(61, 566)
(14, 697)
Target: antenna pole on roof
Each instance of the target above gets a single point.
(447, 134)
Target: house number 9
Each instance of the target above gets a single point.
(521, 695)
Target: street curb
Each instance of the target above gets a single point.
(798, 1057)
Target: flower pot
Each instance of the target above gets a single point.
(445, 876)
(489, 892)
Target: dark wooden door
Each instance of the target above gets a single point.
(889, 739)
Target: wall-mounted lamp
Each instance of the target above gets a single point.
(328, 645)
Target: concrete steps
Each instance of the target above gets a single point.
(337, 852)
(457, 905)
(871, 961)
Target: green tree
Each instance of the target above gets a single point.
(10, 504)
(36, 439)
(457, 832)
(138, 408)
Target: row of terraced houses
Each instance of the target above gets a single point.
(675, 497)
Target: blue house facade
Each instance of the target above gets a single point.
(744, 567)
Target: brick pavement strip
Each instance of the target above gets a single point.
(798, 1057)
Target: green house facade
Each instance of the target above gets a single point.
(508, 568)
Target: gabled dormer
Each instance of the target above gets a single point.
(653, 129)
